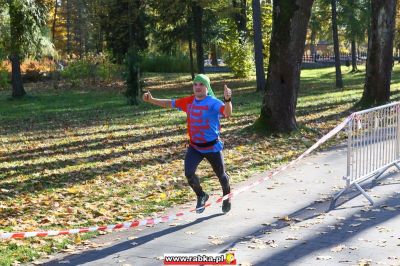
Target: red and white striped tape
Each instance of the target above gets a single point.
(169, 218)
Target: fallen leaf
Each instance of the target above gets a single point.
(285, 218)
(365, 262)
(338, 248)
(77, 239)
(355, 225)
(174, 224)
(216, 242)
(324, 257)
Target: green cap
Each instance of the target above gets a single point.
(206, 81)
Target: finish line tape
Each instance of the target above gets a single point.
(169, 218)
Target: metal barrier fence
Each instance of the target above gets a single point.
(307, 58)
(373, 145)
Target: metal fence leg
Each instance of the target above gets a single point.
(364, 193)
(340, 193)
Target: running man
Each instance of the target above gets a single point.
(203, 123)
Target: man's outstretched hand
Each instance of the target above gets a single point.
(147, 96)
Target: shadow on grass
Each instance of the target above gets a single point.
(40, 181)
(74, 147)
(102, 143)
(318, 108)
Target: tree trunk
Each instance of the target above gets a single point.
(68, 27)
(243, 17)
(99, 43)
(353, 56)
(380, 57)
(214, 59)
(53, 30)
(17, 86)
(313, 49)
(258, 45)
(130, 30)
(191, 56)
(197, 11)
(84, 28)
(240, 18)
(79, 29)
(16, 32)
(339, 82)
(290, 21)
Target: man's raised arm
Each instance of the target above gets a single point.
(147, 97)
(228, 101)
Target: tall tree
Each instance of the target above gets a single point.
(397, 31)
(79, 25)
(266, 23)
(26, 21)
(235, 42)
(53, 29)
(68, 15)
(339, 81)
(240, 17)
(191, 54)
(319, 26)
(171, 23)
(313, 37)
(79, 32)
(197, 11)
(96, 14)
(16, 33)
(354, 17)
(213, 30)
(258, 45)
(290, 20)
(380, 53)
(123, 18)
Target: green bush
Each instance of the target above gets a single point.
(109, 71)
(4, 79)
(166, 63)
(239, 56)
(76, 70)
(92, 67)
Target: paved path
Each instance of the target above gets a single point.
(284, 221)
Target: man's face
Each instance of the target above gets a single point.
(200, 90)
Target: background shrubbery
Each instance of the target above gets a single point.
(91, 67)
(166, 63)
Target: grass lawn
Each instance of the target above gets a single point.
(78, 157)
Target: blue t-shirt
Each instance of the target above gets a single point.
(203, 120)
